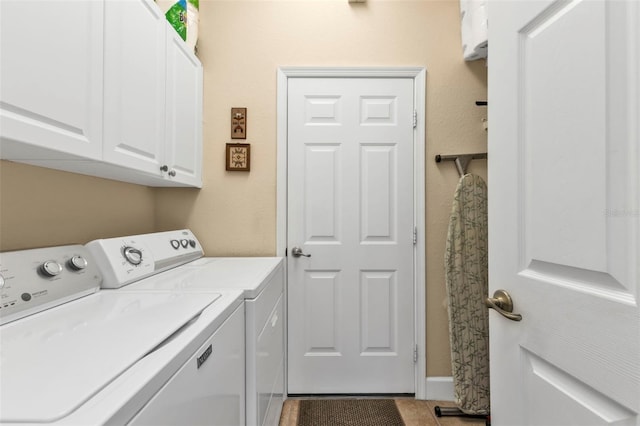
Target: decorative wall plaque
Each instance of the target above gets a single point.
(238, 123)
(238, 157)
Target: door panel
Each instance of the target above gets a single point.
(134, 85)
(321, 291)
(378, 314)
(322, 205)
(350, 186)
(183, 112)
(564, 212)
(570, 400)
(51, 80)
(378, 207)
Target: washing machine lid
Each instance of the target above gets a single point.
(54, 361)
(249, 274)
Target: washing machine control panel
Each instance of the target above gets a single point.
(38, 279)
(125, 260)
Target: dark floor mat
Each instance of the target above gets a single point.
(349, 412)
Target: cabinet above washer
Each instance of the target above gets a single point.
(117, 95)
(51, 79)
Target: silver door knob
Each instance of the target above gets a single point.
(297, 252)
(501, 302)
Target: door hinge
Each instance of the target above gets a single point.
(415, 354)
(415, 235)
(415, 118)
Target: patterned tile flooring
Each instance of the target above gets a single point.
(413, 412)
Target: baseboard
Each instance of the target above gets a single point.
(439, 389)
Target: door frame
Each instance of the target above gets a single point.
(418, 74)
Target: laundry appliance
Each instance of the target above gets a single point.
(73, 354)
(260, 279)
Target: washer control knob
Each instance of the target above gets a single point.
(51, 268)
(192, 243)
(77, 263)
(132, 255)
(184, 243)
(1, 281)
(175, 244)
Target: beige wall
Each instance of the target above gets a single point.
(42, 207)
(241, 45)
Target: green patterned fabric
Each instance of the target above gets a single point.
(466, 265)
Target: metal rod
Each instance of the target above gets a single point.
(453, 157)
(455, 412)
(461, 160)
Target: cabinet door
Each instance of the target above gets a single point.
(184, 112)
(135, 53)
(51, 79)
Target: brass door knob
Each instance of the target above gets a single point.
(502, 302)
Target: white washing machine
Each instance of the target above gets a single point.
(260, 279)
(75, 355)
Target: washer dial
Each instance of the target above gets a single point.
(51, 268)
(132, 255)
(77, 263)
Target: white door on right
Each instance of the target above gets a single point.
(564, 211)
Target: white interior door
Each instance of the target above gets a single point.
(564, 211)
(350, 207)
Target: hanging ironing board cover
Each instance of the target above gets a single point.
(466, 266)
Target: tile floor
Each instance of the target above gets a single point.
(413, 412)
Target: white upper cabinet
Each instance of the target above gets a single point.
(51, 79)
(184, 112)
(134, 84)
(115, 94)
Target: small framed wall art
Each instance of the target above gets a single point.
(238, 123)
(238, 158)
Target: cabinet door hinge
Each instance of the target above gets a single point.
(415, 354)
(415, 118)
(415, 235)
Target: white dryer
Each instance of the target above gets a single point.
(260, 279)
(73, 354)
